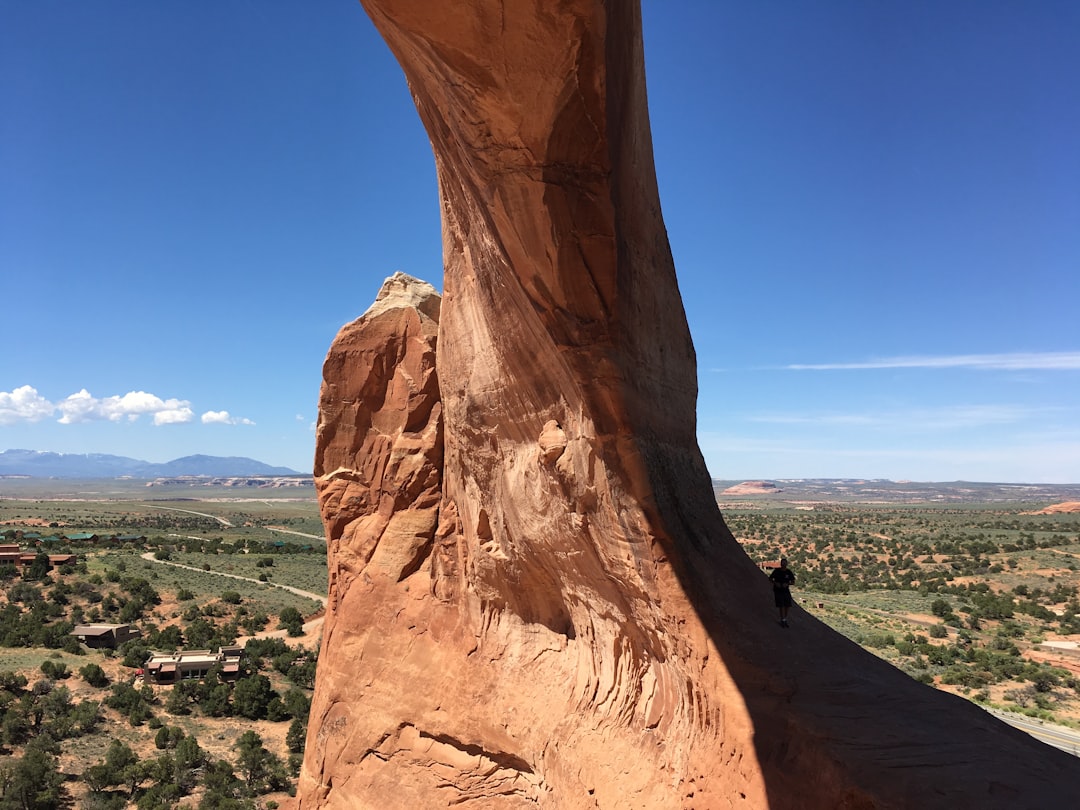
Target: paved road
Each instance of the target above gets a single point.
(1067, 739)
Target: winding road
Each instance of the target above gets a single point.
(1067, 739)
(312, 627)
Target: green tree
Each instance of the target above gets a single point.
(39, 568)
(15, 728)
(261, 770)
(179, 700)
(252, 696)
(162, 796)
(222, 787)
(291, 621)
(168, 737)
(34, 781)
(120, 759)
(135, 653)
(94, 675)
(296, 737)
(190, 760)
(55, 670)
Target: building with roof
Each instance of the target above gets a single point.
(169, 668)
(82, 537)
(105, 635)
(11, 554)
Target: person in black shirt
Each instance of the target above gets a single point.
(782, 580)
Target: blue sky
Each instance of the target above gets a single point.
(874, 210)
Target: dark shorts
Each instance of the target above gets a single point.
(782, 596)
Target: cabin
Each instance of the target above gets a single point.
(109, 636)
(170, 668)
(82, 537)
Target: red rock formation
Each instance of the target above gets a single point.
(564, 621)
(378, 466)
(1067, 507)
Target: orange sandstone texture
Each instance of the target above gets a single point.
(534, 599)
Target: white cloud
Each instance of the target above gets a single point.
(223, 418)
(1017, 361)
(80, 407)
(24, 404)
(84, 407)
(177, 414)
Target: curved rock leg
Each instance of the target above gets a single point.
(577, 628)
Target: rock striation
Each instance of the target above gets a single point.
(534, 599)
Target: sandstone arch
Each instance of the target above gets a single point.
(535, 601)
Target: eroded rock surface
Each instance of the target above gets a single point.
(378, 468)
(545, 609)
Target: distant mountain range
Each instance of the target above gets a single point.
(837, 490)
(39, 464)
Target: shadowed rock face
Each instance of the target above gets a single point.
(534, 599)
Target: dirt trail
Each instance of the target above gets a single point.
(312, 627)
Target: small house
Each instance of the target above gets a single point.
(105, 635)
(81, 537)
(167, 668)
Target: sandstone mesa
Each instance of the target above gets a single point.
(1068, 507)
(752, 488)
(534, 601)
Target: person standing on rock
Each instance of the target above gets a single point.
(782, 580)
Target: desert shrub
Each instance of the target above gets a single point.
(135, 653)
(168, 737)
(94, 675)
(56, 670)
(878, 640)
(291, 621)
